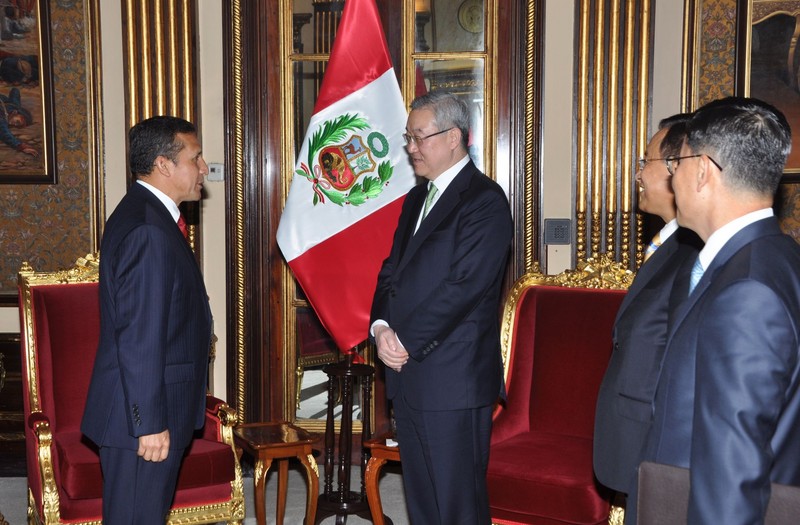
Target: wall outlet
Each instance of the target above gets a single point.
(557, 231)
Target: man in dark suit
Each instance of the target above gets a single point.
(625, 400)
(435, 317)
(147, 393)
(727, 403)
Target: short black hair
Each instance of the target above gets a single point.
(676, 133)
(155, 137)
(747, 137)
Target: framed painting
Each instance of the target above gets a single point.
(768, 63)
(27, 151)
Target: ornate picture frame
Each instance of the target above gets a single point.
(717, 43)
(768, 63)
(27, 142)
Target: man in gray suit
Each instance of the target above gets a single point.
(625, 400)
(147, 393)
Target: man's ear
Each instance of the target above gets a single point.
(454, 136)
(707, 172)
(163, 165)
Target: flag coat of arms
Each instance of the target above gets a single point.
(350, 179)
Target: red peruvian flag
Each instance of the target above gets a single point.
(350, 179)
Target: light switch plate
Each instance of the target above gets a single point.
(216, 172)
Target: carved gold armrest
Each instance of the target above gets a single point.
(617, 515)
(40, 424)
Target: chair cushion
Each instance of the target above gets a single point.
(547, 476)
(206, 463)
(79, 465)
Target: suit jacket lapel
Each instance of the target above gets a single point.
(448, 201)
(170, 225)
(744, 237)
(649, 270)
(414, 202)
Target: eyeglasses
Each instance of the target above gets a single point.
(642, 162)
(673, 161)
(414, 139)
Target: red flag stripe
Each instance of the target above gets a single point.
(359, 55)
(327, 268)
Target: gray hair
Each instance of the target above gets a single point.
(449, 111)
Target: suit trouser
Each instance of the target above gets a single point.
(445, 456)
(135, 491)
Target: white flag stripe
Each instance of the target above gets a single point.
(303, 224)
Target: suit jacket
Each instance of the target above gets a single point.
(727, 404)
(439, 290)
(625, 400)
(151, 367)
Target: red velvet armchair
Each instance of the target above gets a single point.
(556, 339)
(60, 324)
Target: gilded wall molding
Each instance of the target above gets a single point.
(237, 183)
(161, 74)
(530, 190)
(612, 114)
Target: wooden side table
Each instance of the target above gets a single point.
(279, 440)
(380, 454)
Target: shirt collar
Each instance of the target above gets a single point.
(668, 229)
(169, 203)
(444, 180)
(720, 238)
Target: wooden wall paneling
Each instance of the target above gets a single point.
(12, 415)
(519, 78)
(253, 120)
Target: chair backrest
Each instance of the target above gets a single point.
(60, 323)
(556, 339)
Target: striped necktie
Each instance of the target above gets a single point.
(652, 247)
(432, 190)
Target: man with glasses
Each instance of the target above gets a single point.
(625, 400)
(435, 317)
(727, 403)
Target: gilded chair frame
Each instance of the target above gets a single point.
(86, 270)
(601, 272)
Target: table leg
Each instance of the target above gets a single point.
(313, 487)
(283, 482)
(371, 477)
(260, 478)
